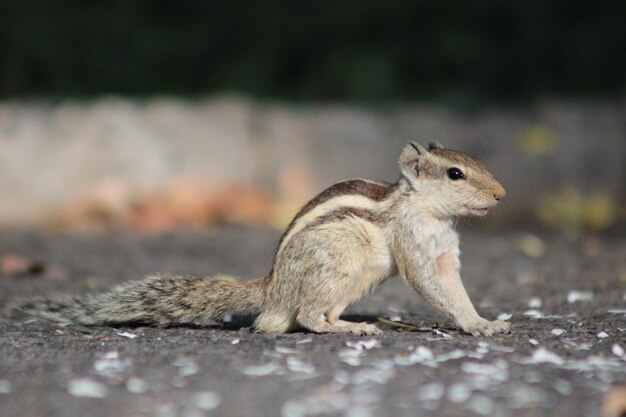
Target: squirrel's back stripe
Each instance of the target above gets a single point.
(344, 213)
(357, 194)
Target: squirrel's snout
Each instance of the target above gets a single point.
(499, 192)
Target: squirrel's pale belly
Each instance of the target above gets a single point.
(375, 264)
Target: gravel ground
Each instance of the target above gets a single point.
(566, 352)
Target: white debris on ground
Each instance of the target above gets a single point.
(355, 395)
(420, 354)
(542, 355)
(602, 335)
(235, 341)
(536, 314)
(186, 367)
(505, 316)
(535, 302)
(5, 386)
(206, 400)
(270, 368)
(110, 364)
(293, 365)
(136, 385)
(617, 350)
(485, 375)
(360, 345)
(352, 355)
(358, 391)
(298, 365)
(357, 387)
(127, 334)
(575, 295)
(576, 345)
(563, 386)
(459, 392)
(87, 388)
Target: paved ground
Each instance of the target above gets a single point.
(563, 364)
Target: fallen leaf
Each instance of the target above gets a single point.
(531, 246)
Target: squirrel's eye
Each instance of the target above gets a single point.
(455, 174)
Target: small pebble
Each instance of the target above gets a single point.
(576, 295)
(617, 350)
(536, 314)
(363, 344)
(535, 302)
(5, 386)
(459, 393)
(563, 387)
(263, 370)
(87, 388)
(206, 400)
(136, 385)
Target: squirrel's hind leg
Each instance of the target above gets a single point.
(273, 321)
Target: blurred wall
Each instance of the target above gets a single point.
(52, 154)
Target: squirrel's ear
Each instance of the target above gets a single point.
(415, 147)
(409, 157)
(434, 145)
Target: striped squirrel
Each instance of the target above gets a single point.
(340, 246)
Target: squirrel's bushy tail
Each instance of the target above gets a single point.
(161, 300)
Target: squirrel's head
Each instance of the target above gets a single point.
(450, 183)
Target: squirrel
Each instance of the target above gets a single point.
(340, 246)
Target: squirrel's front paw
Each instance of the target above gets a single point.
(482, 327)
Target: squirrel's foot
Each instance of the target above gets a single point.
(318, 324)
(360, 329)
(483, 327)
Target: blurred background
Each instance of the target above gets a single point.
(157, 115)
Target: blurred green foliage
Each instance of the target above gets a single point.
(362, 50)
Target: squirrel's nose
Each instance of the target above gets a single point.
(499, 192)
